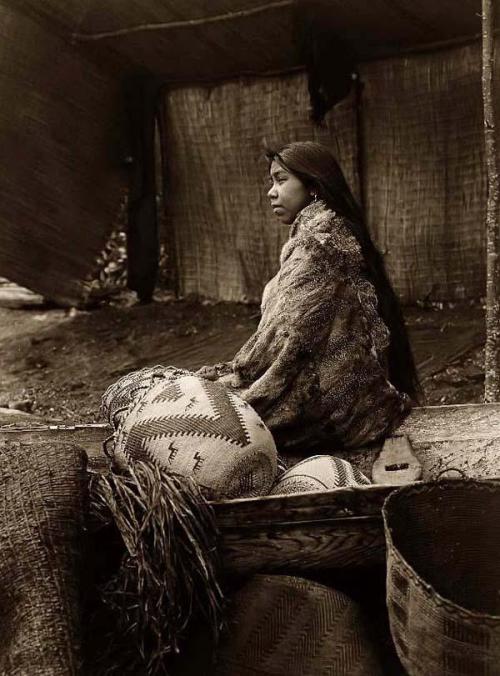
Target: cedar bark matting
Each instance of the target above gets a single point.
(423, 177)
(41, 529)
(248, 35)
(59, 190)
(426, 188)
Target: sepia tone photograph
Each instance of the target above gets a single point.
(250, 338)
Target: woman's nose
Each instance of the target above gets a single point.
(272, 192)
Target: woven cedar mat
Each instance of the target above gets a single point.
(227, 242)
(41, 519)
(422, 172)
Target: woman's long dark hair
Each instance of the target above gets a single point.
(319, 171)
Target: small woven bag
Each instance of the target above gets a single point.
(443, 577)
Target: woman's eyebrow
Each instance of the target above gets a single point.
(277, 172)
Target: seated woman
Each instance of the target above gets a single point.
(330, 365)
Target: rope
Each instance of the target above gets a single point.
(188, 23)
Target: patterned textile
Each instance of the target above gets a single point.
(197, 428)
(315, 369)
(319, 473)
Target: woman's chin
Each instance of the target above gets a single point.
(284, 219)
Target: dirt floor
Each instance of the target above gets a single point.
(56, 363)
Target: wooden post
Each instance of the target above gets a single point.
(492, 351)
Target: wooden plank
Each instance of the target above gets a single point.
(465, 437)
(297, 547)
(323, 505)
(331, 529)
(328, 529)
(89, 436)
(424, 424)
(458, 422)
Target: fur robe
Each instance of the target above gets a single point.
(315, 369)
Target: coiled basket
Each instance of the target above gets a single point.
(443, 577)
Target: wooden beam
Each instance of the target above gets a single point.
(492, 349)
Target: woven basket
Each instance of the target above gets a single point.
(42, 509)
(130, 388)
(197, 428)
(443, 577)
(319, 473)
(287, 626)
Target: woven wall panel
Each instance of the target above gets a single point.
(228, 241)
(59, 188)
(423, 168)
(426, 183)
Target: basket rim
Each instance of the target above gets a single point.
(440, 600)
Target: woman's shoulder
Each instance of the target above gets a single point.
(322, 230)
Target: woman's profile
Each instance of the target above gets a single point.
(330, 363)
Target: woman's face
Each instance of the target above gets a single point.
(288, 194)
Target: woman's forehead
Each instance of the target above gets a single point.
(276, 168)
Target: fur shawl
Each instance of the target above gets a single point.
(315, 369)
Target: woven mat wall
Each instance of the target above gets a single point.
(59, 188)
(426, 181)
(228, 241)
(423, 168)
